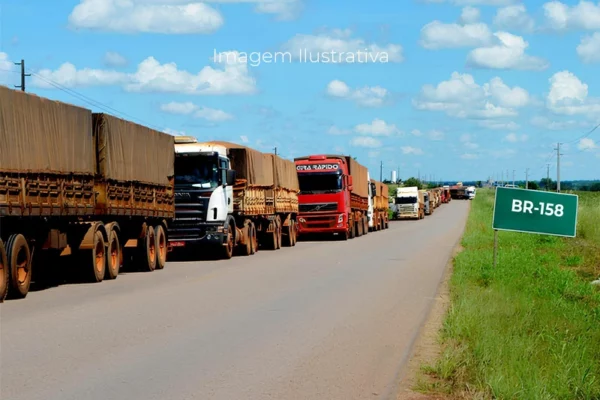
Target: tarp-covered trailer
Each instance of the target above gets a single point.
(74, 183)
(380, 205)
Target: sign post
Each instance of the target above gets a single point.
(532, 211)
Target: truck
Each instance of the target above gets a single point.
(470, 192)
(380, 206)
(447, 195)
(334, 196)
(231, 198)
(427, 202)
(410, 203)
(458, 192)
(80, 186)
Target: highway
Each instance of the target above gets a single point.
(323, 320)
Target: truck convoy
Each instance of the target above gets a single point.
(334, 196)
(379, 207)
(229, 197)
(80, 184)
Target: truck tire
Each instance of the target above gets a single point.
(147, 251)
(253, 238)
(94, 260)
(227, 248)
(278, 233)
(246, 248)
(353, 230)
(18, 256)
(3, 273)
(294, 233)
(289, 239)
(161, 247)
(114, 257)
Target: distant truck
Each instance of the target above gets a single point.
(334, 196)
(427, 200)
(75, 183)
(458, 192)
(410, 203)
(230, 197)
(447, 195)
(380, 215)
(470, 192)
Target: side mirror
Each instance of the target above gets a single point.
(231, 177)
(373, 189)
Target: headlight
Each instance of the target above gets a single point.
(302, 220)
(341, 218)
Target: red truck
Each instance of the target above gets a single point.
(334, 196)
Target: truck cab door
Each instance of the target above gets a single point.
(228, 189)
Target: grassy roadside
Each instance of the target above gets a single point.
(530, 329)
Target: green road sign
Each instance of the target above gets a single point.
(533, 211)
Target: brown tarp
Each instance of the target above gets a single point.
(359, 175)
(382, 189)
(252, 165)
(286, 175)
(42, 135)
(132, 152)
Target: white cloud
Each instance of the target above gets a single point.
(462, 97)
(514, 138)
(113, 59)
(506, 153)
(499, 125)
(436, 135)
(209, 114)
(366, 96)
(514, 17)
(155, 16)
(152, 76)
(377, 127)
(475, 2)
(174, 132)
(469, 156)
(244, 139)
(560, 16)
(8, 70)
(365, 141)
(411, 150)
(587, 144)
(469, 15)
(569, 96)
(338, 46)
(589, 48)
(546, 123)
(334, 130)
(438, 35)
(416, 132)
(467, 141)
(507, 53)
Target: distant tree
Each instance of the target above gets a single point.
(547, 184)
(412, 181)
(595, 187)
(478, 184)
(533, 185)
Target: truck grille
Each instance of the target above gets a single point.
(318, 207)
(189, 218)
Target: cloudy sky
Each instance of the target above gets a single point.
(456, 89)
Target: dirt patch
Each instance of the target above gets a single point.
(427, 348)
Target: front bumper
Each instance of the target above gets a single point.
(408, 215)
(322, 223)
(206, 233)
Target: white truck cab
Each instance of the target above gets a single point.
(407, 202)
(470, 192)
(371, 201)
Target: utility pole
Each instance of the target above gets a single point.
(23, 75)
(381, 172)
(547, 176)
(527, 178)
(502, 178)
(558, 167)
(275, 150)
(514, 177)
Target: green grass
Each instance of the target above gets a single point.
(529, 329)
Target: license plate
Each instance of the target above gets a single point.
(177, 244)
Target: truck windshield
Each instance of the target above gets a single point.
(406, 200)
(317, 182)
(201, 171)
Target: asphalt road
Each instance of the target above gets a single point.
(323, 320)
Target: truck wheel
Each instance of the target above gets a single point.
(353, 231)
(114, 257)
(161, 247)
(279, 233)
(19, 266)
(253, 238)
(147, 252)
(227, 248)
(294, 233)
(246, 249)
(93, 261)
(3, 273)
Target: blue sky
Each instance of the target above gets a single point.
(456, 89)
